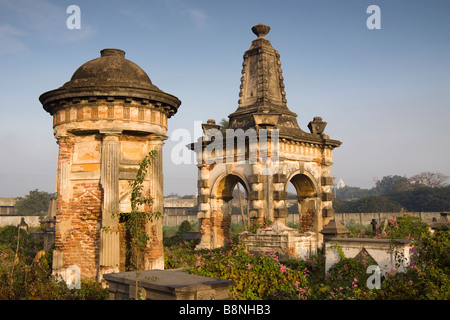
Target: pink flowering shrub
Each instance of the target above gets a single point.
(344, 280)
(255, 276)
(264, 276)
(428, 275)
(404, 226)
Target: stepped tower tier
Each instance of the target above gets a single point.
(262, 93)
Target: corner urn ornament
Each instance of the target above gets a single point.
(317, 126)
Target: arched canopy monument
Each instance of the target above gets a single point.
(265, 149)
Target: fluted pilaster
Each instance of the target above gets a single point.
(109, 178)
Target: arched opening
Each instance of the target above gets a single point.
(228, 184)
(229, 206)
(239, 207)
(301, 187)
(292, 206)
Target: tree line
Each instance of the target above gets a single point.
(424, 192)
(34, 203)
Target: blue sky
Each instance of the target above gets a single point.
(384, 93)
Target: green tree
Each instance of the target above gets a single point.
(392, 184)
(348, 192)
(430, 199)
(341, 206)
(224, 124)
(173, 196)
(188, 196)
(35, 203)
(376, 204)
(367, 204)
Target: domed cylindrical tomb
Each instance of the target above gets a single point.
(106, 119)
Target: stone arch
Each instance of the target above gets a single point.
(224, 185)
(304, 184)
(221, 206)
(307, 190)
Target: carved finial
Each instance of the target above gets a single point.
(260, 30)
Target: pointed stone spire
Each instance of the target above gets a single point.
(262, 86)
(262, 81)
(262, 99)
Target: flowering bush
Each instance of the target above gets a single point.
(417, 283)
(263, 276)
(427, 276)
(180, 255)
(404, 226)
(344, 280)
(256, 276)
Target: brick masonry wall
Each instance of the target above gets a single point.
(306, 221)
(78, 216)
(221, 224)
(78, 224)
(155, 248)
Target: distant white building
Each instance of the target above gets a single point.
(340, 184)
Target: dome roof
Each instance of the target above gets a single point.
(111, 69)
(110, 75)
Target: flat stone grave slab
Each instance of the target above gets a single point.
(172, 284)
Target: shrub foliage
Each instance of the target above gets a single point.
(264, 276)
(25, 272)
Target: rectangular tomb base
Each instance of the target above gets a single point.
(166, 285)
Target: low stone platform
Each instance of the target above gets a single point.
(166, 285)
(286, 241)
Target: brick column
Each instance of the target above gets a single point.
(280, 197)
(257, 204)
(204, 213)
